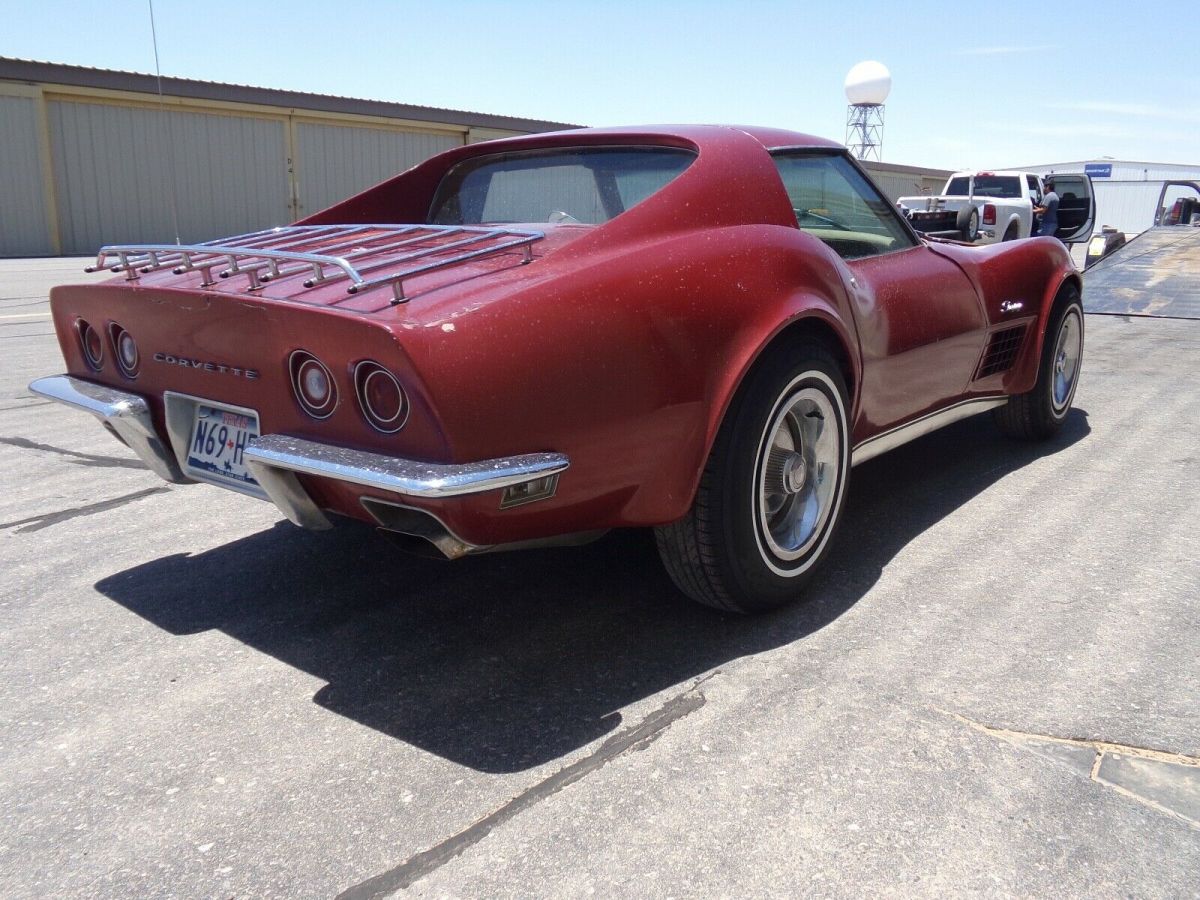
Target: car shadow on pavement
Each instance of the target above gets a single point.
(504, 662)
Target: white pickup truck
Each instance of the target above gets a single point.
(986, 207)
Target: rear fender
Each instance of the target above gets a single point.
(796, 317)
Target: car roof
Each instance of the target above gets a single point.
(733, 180)
(700, 135)
(977, 172)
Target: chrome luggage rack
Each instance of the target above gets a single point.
(325, 253)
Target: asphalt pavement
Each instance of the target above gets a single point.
(993, 689)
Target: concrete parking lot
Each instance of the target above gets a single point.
(994, 688)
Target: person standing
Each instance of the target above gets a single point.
(1048, 211)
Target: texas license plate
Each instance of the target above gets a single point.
(219, 439)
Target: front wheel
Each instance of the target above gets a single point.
(1040, 413)
(771, 496)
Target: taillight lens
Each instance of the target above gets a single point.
(382, 401)
(989, 214)
(91, 343)
(313, 385)
(128, 359)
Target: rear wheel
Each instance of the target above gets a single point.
(1040, 413)
(772, 493)
(1012, 232)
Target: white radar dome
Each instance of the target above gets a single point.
(868, 83)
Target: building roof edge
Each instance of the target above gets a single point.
(12, 69)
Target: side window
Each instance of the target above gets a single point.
(1034, 194)
(837, 205)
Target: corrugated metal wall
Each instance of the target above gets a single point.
(334, 162)
(1128, 206)
(81, 167)
(24, 228)
(128, 174)
(903, 184)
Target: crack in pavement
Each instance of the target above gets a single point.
(1128, 749)
(81, 459)
(1164, 781)
(37, 523)
(637, 737)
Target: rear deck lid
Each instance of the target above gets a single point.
(358, 268)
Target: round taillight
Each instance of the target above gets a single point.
(380, 397)
(313, 385)
(92, 344)
(128, 359)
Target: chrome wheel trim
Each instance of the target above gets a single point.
(799, 474)
(1068, 350)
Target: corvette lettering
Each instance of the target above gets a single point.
(187, 363)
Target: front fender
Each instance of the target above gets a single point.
(1027, 273)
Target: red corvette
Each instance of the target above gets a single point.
(533, 340)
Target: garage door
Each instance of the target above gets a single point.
(126, 174)
(336, 161)
(24, 230)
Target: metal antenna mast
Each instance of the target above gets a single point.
(864, 130)
(164, 125)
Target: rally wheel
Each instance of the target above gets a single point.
(772, 493)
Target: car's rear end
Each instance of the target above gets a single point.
(278, 365)
(935, 216)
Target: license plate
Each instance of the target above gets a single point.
(219, 438)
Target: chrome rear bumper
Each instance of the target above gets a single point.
(125, 415)
(276, 459)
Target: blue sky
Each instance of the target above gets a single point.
(982, 84)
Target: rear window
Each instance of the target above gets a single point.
(1002, 186)
(589, 185)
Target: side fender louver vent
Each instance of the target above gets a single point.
(1002, 350)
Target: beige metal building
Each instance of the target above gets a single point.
(93, 156)
(898, 181)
